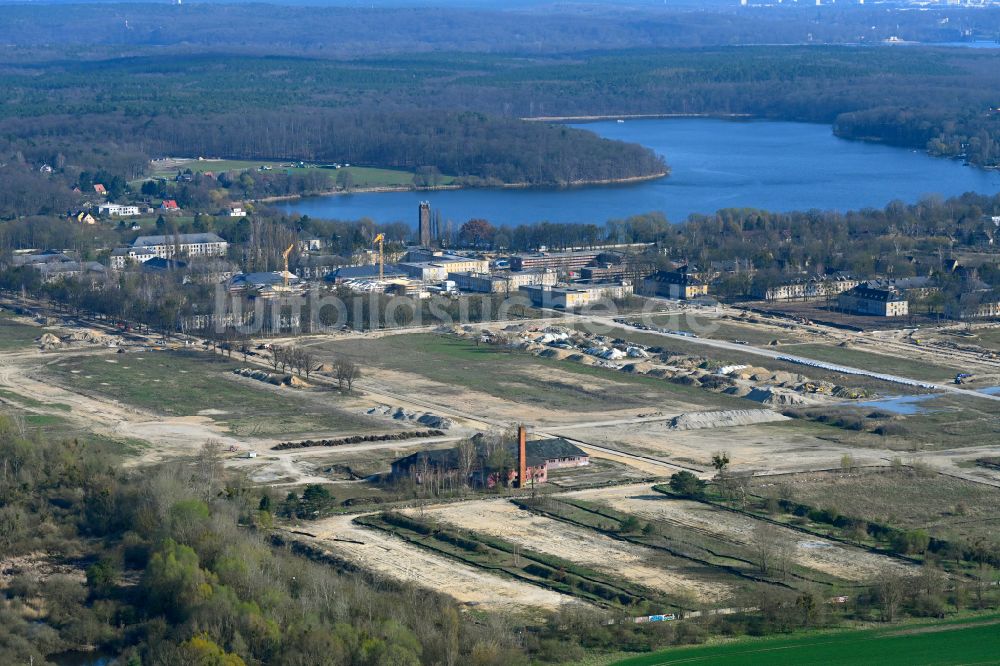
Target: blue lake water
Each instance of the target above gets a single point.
(716, 164)
(907, 404)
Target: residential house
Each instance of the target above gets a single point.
(680, 284)
(99, 188)
(874, 301)
(83, 217)
(117, 210)
(983, 304)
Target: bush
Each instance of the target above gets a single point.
(687, 484)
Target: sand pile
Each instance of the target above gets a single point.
(724, 419)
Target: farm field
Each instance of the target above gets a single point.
(940, 505)
(641, 565)
(393, 557)
(180, 384)
(971, 641)
(485, 380)
(810, 552)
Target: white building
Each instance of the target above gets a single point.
(145, 248)
(117, 210)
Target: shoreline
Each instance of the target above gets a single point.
(634, 116)
(438, 188)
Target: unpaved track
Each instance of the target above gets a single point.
(502, 519)
(830, 557)
(388, 555)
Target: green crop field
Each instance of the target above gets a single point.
(961, 642)
(193, 383)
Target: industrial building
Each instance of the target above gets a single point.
(523, 463)
(576, 296)
(347, 273)
(501, 283)
(556, 261)
(866, 299)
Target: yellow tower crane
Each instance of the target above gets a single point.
(284, 255)
(380, 239)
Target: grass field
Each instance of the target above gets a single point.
(985, 337)
(975, 641)
(892, 365)
(942, 505)
(363, 176)
(722, 329)
(521, 377)
(193, 383)
(14, 335)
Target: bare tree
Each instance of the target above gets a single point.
(346, 372)
(466, 459)
(772, 552)
(890, 587)
(307, 360)
(208, 469)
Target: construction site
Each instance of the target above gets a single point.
(533, 464)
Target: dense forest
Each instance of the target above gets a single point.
(532, 28)
(460, 113)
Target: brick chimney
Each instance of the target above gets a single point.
(522, 457)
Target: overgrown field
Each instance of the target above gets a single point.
(15, 335)
(195, 383)
(893, 365)
(520, 377)
(941, 505)
(724, 329)
(969, 641)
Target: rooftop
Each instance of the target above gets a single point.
(148, 241)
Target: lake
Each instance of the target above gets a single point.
(778, 166)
